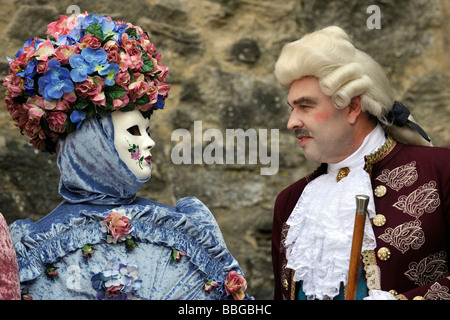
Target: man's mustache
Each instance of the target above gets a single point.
(301, 132)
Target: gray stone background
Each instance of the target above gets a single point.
(221, 56)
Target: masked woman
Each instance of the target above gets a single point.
(92, 84)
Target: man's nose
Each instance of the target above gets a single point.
(294, 121)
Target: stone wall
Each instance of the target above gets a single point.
(221, 56)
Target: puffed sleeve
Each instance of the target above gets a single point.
(9, 270)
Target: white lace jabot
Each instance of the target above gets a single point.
(318, 243)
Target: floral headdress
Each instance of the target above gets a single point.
(84, 65)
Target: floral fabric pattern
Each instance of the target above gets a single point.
(117, 281)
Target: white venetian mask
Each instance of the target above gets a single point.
(133, 142)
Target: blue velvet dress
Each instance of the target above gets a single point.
(175, 250)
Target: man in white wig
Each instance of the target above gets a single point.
(345, 117)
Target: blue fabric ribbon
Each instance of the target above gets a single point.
(399, 115)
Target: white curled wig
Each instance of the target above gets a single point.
(344, 72)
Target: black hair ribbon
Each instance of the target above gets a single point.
(400, 114)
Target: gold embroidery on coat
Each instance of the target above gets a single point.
(431, 268)
(369, 257)
(287, 274)
(284, 280)
(403, 176)
(423, 199)
(372, 270)
(284, 232)
(380, 154)
(437, 292)
(404, 236)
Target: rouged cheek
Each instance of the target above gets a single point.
(321, 116)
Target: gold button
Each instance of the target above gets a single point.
(393, 292)
(342, 174)
(379, 220)
(418, 298)
(285, 284)
(380, 191)
(384, 254)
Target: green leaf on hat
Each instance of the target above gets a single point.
(95, 29)
(148, 64)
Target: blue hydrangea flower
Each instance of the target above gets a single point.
(119, 277)
(111, 73)
(98, 58)
(111, 29)
(27, 44)
(71, 38)
(90, 61)
(159, 104)
(77, 117)
(81, 68)
(86, 21)
(29, 74)
(55, 82)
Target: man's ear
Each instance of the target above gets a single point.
(354, 109)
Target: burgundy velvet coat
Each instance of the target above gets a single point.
(414, 199)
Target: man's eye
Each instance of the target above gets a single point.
(134, 130)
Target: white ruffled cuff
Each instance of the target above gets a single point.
(379, 295)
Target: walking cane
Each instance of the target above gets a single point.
(355, 257)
